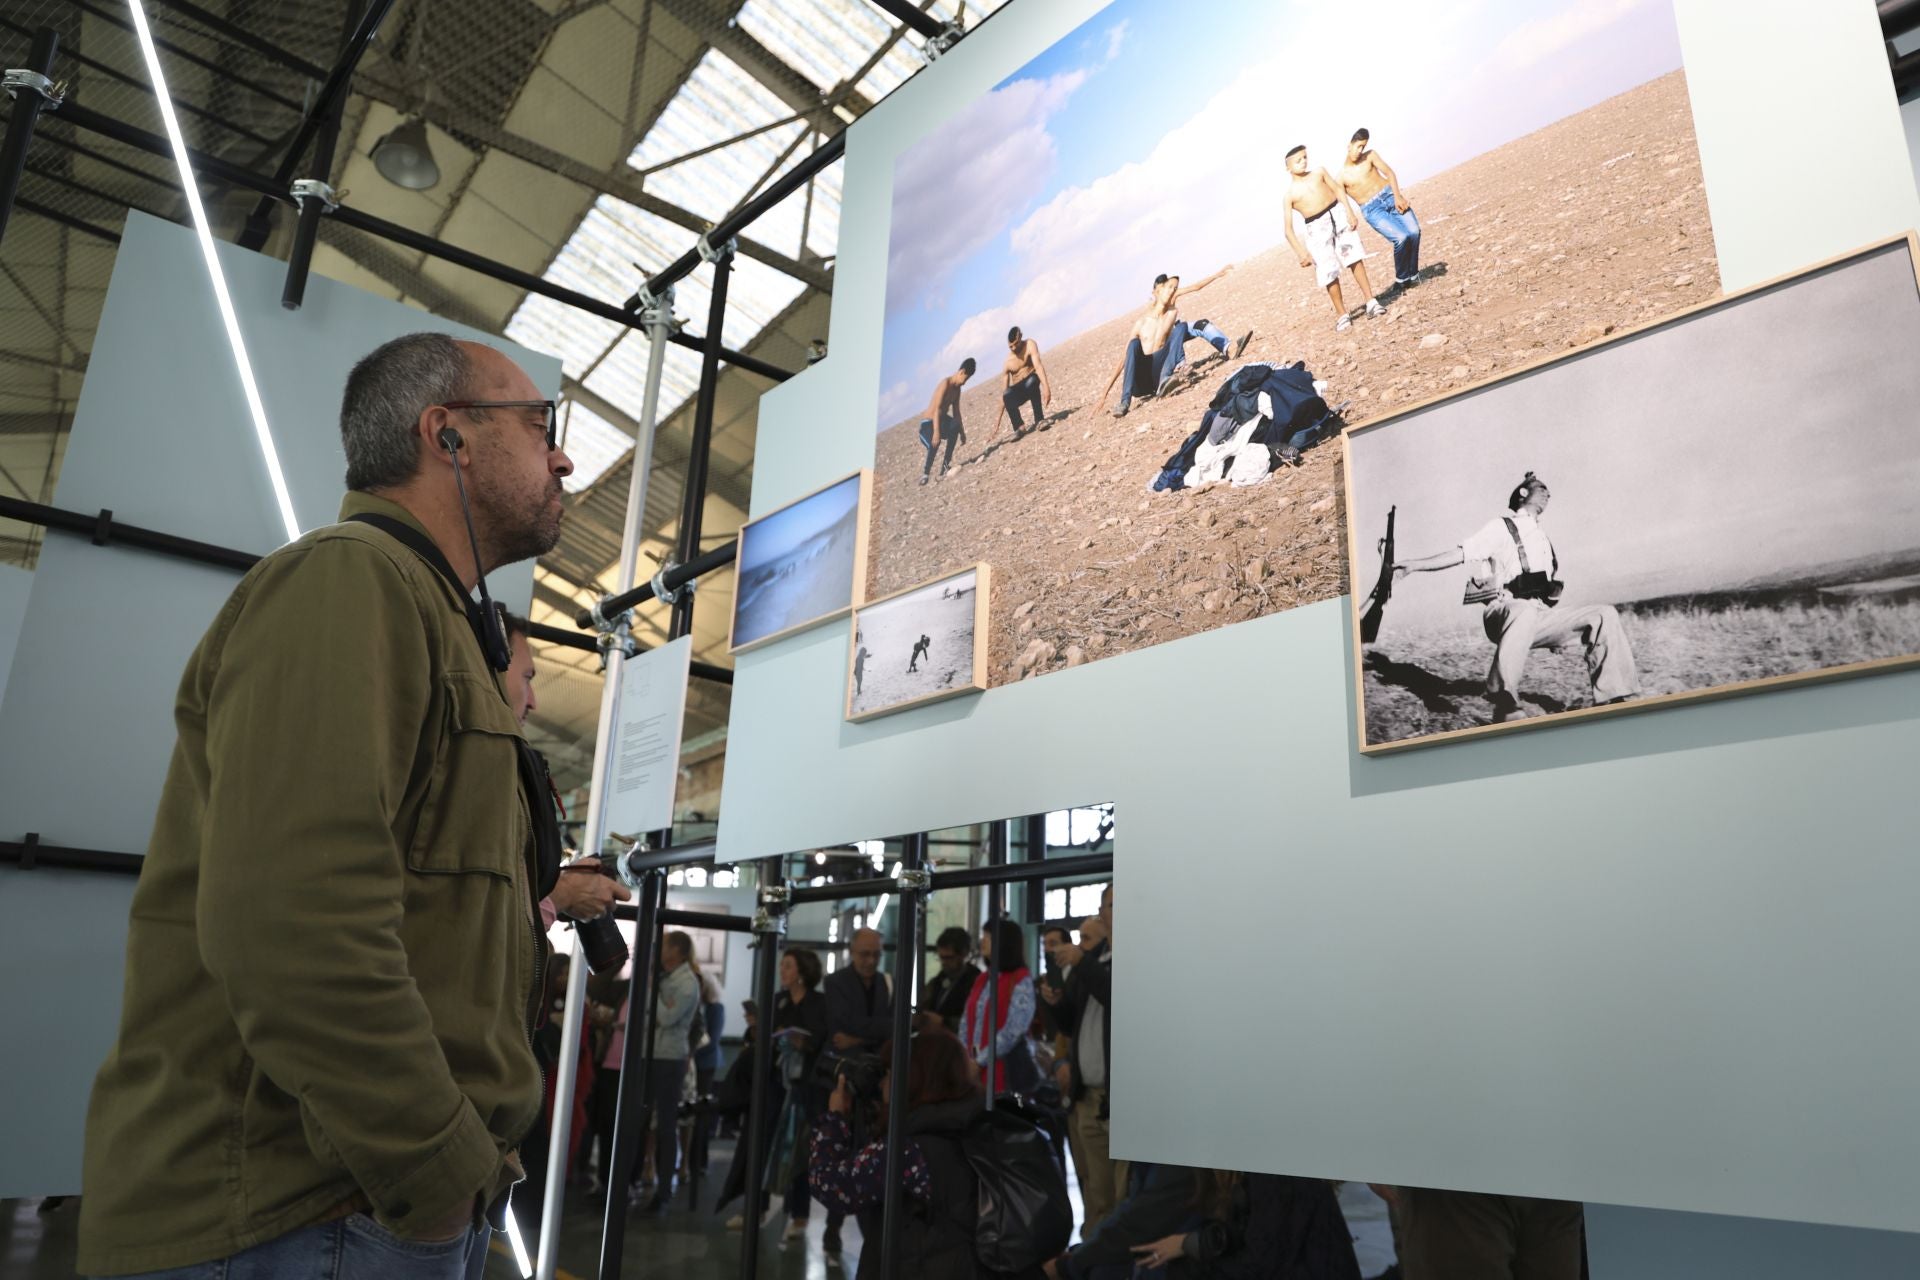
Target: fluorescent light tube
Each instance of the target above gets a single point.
(220, 294)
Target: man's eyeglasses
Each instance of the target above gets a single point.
(552, 413)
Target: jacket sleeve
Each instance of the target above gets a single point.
(850, 1181)
(1156, 1209)
(317, 720)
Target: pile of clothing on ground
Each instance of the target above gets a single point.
(1261, 418)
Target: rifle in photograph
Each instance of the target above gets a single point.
(1382, 587)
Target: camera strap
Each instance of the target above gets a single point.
(421, 545)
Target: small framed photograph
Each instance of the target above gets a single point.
(922, 645)
(801, 565)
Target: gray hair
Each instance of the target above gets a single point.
(386, 393)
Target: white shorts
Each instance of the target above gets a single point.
(1333, 243)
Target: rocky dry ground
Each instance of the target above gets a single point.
(1595, 223)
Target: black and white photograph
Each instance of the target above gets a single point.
(927, 643)
(803, 564)
(1716, 503)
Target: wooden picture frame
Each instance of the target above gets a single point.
(749, 588)
(933, 614)
(1725, 408)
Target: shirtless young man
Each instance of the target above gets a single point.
(1156, 347)
(1026, 383)
(944, 409)
(1370, 182)
(1331, 241)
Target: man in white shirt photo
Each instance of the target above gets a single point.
(1515, 576)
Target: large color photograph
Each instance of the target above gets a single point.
(1134, 290)
(1719, 503)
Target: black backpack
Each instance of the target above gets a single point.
(1025, 1216)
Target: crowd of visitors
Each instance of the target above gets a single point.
(1042, 1044)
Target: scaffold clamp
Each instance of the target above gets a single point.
(670, 595)
(936, 45)
(303, 188)
(704, 247)
(15, 80)
(657, 308)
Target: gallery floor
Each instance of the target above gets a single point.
(685, 1244)
(38, 1243)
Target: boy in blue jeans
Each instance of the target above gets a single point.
(1370, 183)
(944, 409)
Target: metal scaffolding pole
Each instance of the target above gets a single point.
(996, 858)
(769, 926)
(326, 107)
(912, 890)
(659, 323)
(613, 1230)
(695, 489)
(315, 194)
(31, 91)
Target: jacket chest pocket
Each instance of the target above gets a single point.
(473, 818)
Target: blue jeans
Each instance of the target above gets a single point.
(949, 432)
(1024, 392)
(1402, 231)
(351, 1248)
(1145, 373)
(1206, 331)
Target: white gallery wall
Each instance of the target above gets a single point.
(1661, 960)
(161, 437)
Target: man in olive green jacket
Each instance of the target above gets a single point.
(323, 1064)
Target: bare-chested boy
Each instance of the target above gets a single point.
(1026, 383)
(944, 409)
(1370, 183)
(1331, 241)
(1156, 346)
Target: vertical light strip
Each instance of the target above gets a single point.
(225, 301)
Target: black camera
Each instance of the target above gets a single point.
(863, 1072)
(600, 940)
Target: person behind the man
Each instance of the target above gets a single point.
(1084, 1013)
(859, 1020)
(1025, 374)
(1331, 241)
(581, 893)
(945, 998)
(333, 953)
(1514, 575)
(944, 409)
(1156, 345)
(1368, 181)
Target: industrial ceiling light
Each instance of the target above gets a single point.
(404, 158)
(220, 295)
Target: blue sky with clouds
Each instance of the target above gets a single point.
(1151, 139)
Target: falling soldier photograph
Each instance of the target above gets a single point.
(1514, 575)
